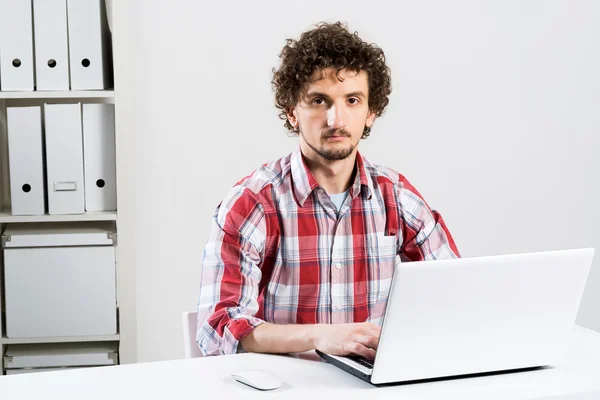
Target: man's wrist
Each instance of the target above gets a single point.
(312, 334)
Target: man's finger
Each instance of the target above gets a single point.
(361, 350)
(369, 341)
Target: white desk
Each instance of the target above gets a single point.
(306, 379)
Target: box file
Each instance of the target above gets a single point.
(51, 48)
(99, 157)
(64, 158)
(44, 356)
(16, 46)
(59, 279)
(90, 50)
(26, 160)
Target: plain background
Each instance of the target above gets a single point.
(494, 117)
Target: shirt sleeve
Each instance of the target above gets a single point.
(425, 234)
(230, 276)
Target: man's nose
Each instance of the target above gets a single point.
(336, 117)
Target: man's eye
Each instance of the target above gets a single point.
(353, 100)
(318, 102)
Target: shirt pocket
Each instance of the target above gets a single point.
(382, 263)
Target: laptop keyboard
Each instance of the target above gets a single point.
(362, 361)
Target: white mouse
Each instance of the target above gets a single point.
(258, 379)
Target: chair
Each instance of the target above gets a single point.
(190, 347)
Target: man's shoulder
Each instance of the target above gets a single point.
(271, 174)
(383, 175)
(380, 173)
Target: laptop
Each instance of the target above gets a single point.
(467, 316)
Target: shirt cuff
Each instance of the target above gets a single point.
(237, 329)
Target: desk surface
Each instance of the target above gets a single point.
(304, 378)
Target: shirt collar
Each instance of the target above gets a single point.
(304, 182)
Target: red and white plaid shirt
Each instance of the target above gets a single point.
(280, 253)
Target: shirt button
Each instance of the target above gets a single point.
(338, 265)
(338, 307)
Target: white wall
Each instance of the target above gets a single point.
(494, 117)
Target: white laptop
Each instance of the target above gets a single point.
(476, 315)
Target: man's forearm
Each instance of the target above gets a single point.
(272, 338)
(339, 339)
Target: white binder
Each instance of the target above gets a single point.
(25, 157)
(99, 157)
(89, 45)
(16, 46)
(51, 49)
(64, 158)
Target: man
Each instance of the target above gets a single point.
(302, 251)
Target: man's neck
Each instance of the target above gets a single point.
(333, 176)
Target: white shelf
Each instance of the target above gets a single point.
(6, 217)
(67, 94)
(63, 339)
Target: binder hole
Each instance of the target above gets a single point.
(16, 63)
(85, 62)
(26, 188)
(100, 183)
(52, 63)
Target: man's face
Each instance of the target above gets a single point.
(332, 115)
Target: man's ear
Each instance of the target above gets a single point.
(292, 117)
(370, 119)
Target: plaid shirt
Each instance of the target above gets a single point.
(279, 252)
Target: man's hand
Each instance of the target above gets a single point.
(347, 339)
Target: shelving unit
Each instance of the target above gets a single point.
(87, 219)
(9, 99)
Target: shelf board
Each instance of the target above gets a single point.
(63, 94)
(63, 339)
(6, 217)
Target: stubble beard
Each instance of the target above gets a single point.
(331, 155)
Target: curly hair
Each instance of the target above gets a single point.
(329, 45)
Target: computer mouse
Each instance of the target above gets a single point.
(258, 379)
